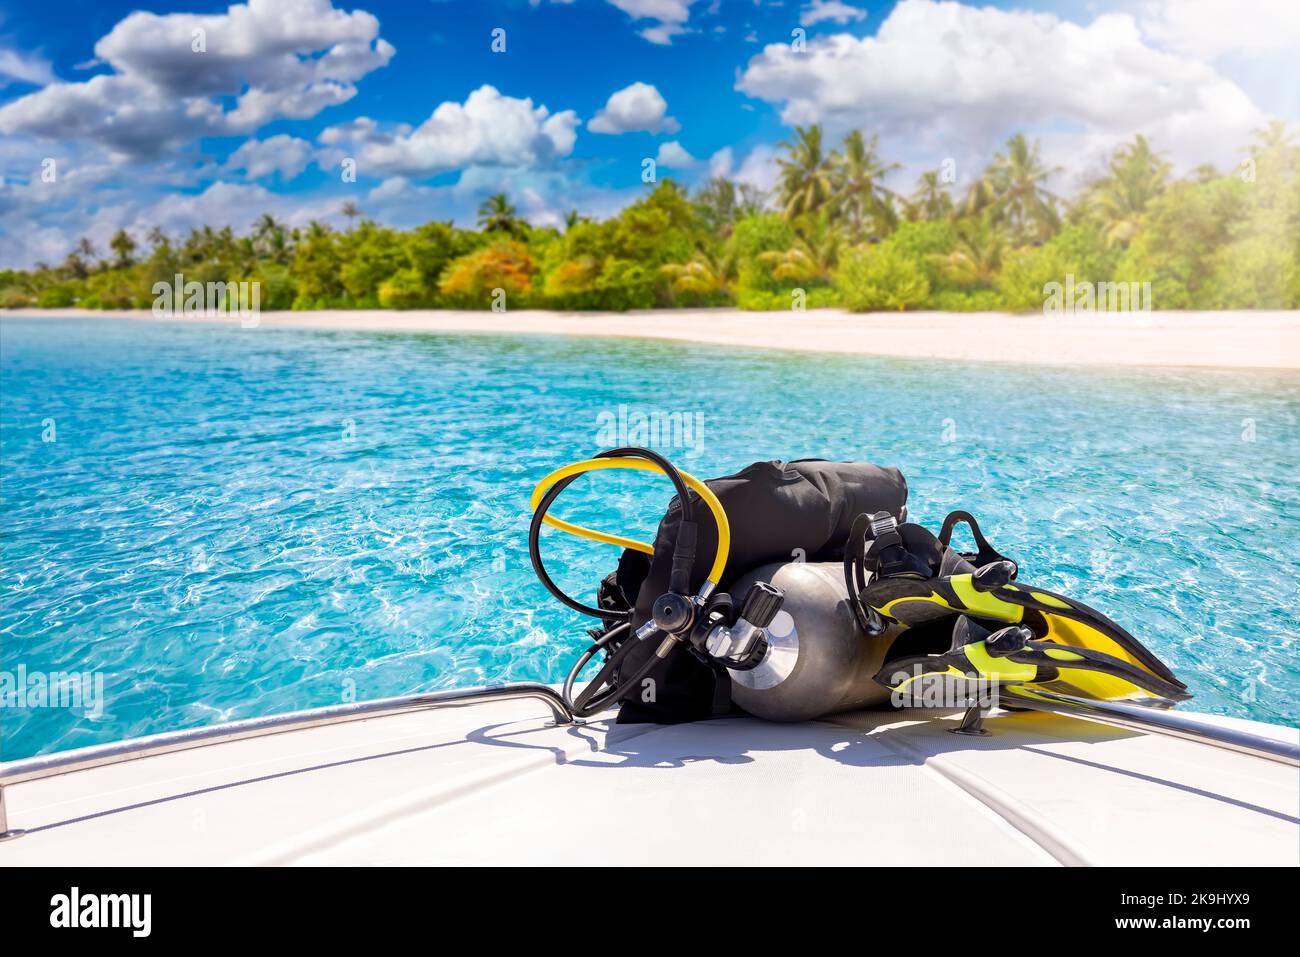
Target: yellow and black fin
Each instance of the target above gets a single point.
(1014, 655)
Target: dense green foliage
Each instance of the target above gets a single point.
(831, 235)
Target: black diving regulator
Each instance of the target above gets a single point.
(706, 621)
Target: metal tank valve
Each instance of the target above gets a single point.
(742, 644)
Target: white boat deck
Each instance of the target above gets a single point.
(492, 784)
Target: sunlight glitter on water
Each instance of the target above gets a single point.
(241, 522)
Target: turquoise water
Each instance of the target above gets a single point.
(235, 522)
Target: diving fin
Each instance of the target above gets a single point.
(1013, 655)
(1113, 664)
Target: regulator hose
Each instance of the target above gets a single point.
(638, 459)
(603, 690)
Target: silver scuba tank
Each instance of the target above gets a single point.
(818, 661)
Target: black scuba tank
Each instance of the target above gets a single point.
(779, 512)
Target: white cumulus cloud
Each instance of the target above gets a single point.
(275, 58)
(488, 129)
(635, 108)
(821, 11)
(720, 162)
(759, 168)
(24, 67)
(674, 155)
(283, 154)
(538, 210)
(946, 74)
(671, 17)
(1210, 28)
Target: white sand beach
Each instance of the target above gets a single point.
(1248, 340)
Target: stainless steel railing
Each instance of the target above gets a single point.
(83, 759)
(1138, 718)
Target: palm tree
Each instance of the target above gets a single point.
(351, 210)
(1020, 201)
(270, 238)
(805, 178)
(123, 245)
(85, 248)
(859, 196)
(980, 196)
(496, 215)
(266, 225)
(716, 201)
(977, 256)
(75, 265)
(930, 201)
(752, 200)
(815, 251)
(573, 218)
(1275, 136)
(706, 273)
(722, 201)
(1136, 176)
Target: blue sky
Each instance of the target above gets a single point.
(142, 128)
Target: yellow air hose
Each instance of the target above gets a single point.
(641, 465)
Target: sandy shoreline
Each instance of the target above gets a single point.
(1255, 340)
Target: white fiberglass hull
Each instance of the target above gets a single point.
(494, 784)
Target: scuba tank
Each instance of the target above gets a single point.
(817, 661)
(778, 512)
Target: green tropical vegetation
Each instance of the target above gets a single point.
(832, 234)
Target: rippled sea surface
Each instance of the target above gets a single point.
(230, 522)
